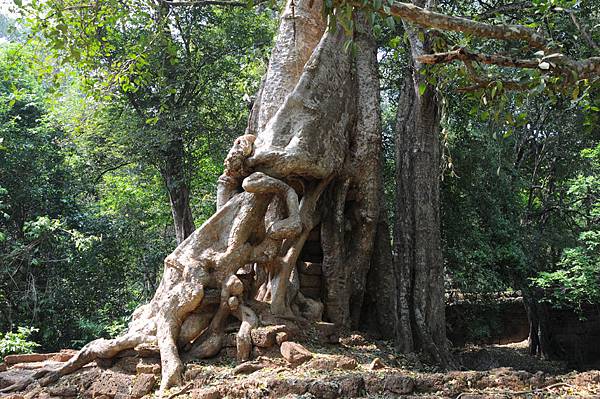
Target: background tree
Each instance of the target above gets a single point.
(165, 71)
(110, 187)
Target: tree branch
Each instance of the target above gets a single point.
(481, 83)
(105, 171)
(584, 69)
(463, 54)
(583, 32)
(430, 19)
(505, 9)
(201, 3)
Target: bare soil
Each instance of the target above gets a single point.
(345, 370)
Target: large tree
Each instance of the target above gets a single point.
(311, 161)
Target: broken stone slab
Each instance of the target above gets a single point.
(295, 353)
(346, 363)
(332, 362)
(148, 365)
(27, 358)
(393, 383)
(36, 365)
(111, 384)
(61, 356)
(143, 385)
(266, 337)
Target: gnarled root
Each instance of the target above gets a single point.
(236, 235)
(98, 349)
(244, 337)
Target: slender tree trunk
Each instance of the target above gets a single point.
(173, 168)
(173, 173)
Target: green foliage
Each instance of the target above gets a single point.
(574, 282)
(89, 110)
(17, 342)
(482, 240)
(159, 87)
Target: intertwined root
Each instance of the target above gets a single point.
(237, 235)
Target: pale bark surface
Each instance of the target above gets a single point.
(300, 30)
(366, 180)
(308, 136)
(262, 222)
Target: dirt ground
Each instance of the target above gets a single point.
(354, 367)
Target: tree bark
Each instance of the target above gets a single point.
(366, 179)
(380, 311)
(173, 173)
(352, 213)
(417, 229)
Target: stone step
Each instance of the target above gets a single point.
(308, 280)
(313, 293)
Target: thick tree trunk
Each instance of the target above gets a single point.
(317, 136)
(350, 221)
(300, 31)
(366, 178)
(380, 312)
(417, 229)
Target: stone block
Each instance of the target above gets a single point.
(313, 293)
(309, 280)
(295, 353)
(143, 385)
